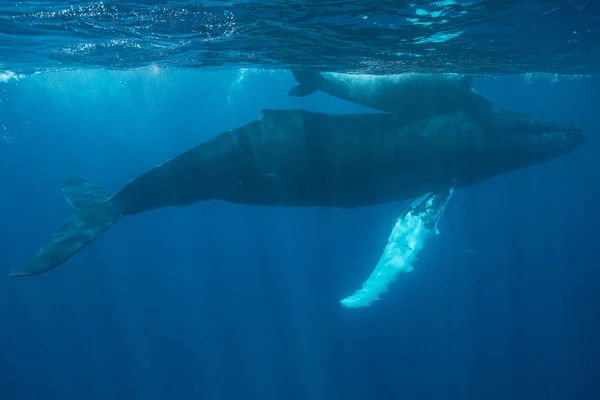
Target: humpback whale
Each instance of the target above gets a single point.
(410, 96)
(297, 158)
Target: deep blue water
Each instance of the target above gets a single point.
(222, 301)
(235, 302)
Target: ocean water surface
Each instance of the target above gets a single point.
(224, 301)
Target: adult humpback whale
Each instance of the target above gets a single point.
(411, 96)
(299, 158)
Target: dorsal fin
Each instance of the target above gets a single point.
(467, 81)
(270, 111)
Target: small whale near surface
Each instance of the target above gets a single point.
(410, 96)
(295, 158)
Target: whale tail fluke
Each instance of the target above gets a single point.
(81, 194)
(308, 82)
(94, 214)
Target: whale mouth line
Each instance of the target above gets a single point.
(556, 129)
(569, 133)
(570, 137)
(566, 130)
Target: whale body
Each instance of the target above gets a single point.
(410, 96)
(296, 158)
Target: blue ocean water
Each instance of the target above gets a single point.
(377, 36)
(226, 301)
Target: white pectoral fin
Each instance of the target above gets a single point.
(405, 242)
(407, 239)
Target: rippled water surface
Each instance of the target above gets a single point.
(376, 36)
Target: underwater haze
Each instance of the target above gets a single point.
(225, 301)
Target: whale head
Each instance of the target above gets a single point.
(507, 141)
(522, 140)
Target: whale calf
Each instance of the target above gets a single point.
(410, 96)
(297, 158)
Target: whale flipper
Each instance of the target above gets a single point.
(308, 82)
(412, 229)
(90, 221)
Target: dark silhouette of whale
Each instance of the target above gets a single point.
(299, 158)
(410, 96)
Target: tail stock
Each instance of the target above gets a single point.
(94, 214)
